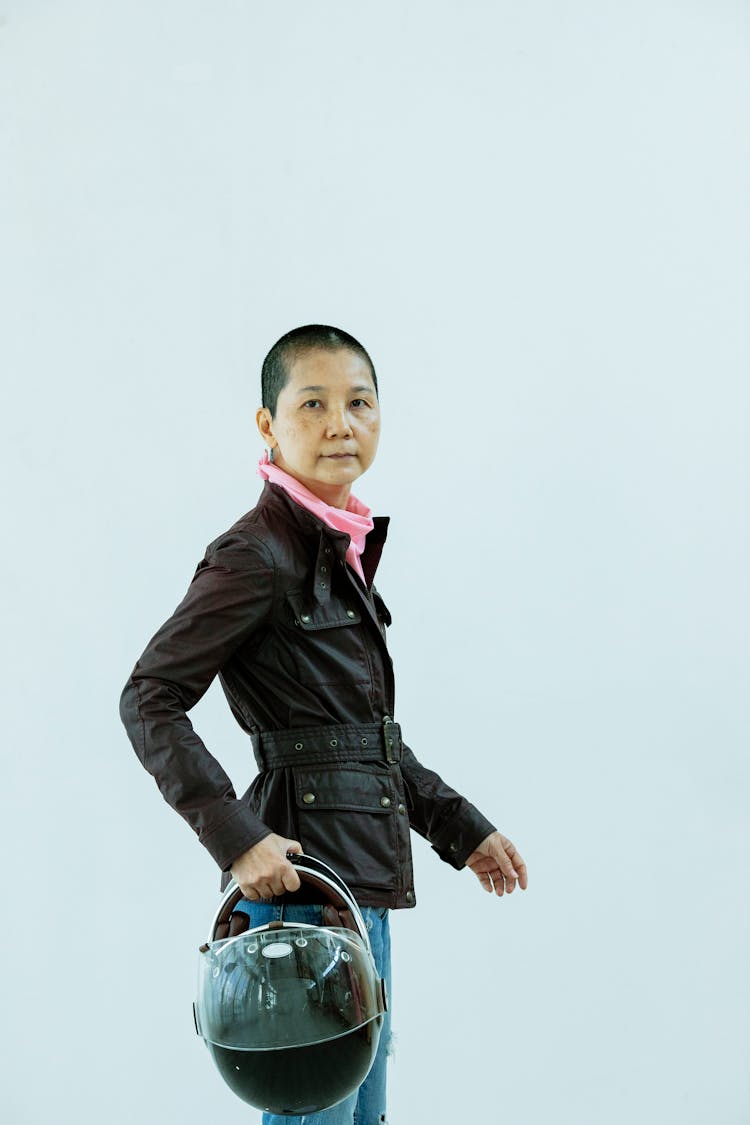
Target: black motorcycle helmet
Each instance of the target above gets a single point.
(291, 1013)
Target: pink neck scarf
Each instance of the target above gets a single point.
(356, 519)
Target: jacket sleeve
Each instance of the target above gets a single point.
(450, 823)
(229, 599)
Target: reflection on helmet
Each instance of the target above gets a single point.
(291, 1013)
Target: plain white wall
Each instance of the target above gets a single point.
(535, 218)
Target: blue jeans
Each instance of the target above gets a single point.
(366, 1106)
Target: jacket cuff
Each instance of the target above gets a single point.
(240, 830)
(459, 837)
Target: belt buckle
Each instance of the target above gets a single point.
(392, 736)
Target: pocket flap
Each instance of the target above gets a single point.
(343, 788)
(331, 615)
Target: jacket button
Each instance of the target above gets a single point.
(410, 896)
(305, 617)
(453, 847)
(298, 745)
(350, 613)
(402, 808)
(322, 585)
(324, 570)
(385, 802)
(308, 798)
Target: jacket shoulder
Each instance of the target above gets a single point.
(246, 543)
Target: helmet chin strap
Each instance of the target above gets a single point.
(339, 909)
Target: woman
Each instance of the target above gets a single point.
(283, 608)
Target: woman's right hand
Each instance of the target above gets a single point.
(264, 870)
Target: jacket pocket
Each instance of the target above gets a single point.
(346, 817)
(329, 645)
(333, 614)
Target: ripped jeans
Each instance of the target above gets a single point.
(366, 1106)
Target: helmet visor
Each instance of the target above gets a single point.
(287, 987)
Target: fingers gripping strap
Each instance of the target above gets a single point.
(318, 875)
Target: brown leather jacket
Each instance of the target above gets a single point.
(298, 643)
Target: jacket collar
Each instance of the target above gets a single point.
(329, 539)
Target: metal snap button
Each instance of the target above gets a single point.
(298, 745)
(350, 613)
(453, 847)
(308, 798)
(334, 742)
(363, 741)
(385, 802)
(402, 808)
(322, 585)
(305, 617)
(410, 896)
(324, 570)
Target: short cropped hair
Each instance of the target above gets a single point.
(278, 363)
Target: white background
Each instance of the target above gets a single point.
(534, 216)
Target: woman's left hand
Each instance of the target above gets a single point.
(498, 865)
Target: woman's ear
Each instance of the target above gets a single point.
(264, 422)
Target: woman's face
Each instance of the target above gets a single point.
(327, 423)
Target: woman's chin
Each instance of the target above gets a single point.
(333, 469)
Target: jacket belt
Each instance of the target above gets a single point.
(338, 743)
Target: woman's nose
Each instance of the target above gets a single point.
(339, 423)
